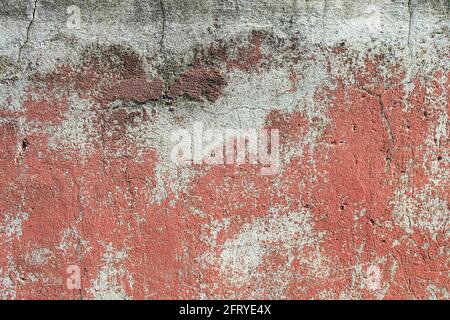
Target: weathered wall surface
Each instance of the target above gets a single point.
(359, 91)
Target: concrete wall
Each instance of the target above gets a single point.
(95, 204)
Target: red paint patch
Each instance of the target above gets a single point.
(197, 83)
(139, 90)
(248, 57)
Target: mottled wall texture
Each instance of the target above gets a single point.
(97, 96)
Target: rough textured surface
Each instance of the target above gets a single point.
(359, 91)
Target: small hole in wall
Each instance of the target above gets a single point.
(25, 144)
(439, 158)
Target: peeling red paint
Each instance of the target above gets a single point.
(248, 57)
(45, 111)
(137, 89)
(340, 189)
(197, 83)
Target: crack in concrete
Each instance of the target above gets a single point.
(162, 48)
(386, 119)
(163, 31)
(28, 30)
(410, 10)
(387, 123)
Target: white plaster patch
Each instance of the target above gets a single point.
(12, 226)
(109, 282)
(285, 234)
